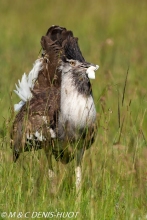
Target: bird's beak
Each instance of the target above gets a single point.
(91, 71)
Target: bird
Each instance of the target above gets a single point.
(57, 112)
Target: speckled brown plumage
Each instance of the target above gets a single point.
(59, 115)
(57, 45)
(39, 114)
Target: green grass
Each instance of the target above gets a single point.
(113, 35)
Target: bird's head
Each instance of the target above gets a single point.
(78, 68)
(78, 74)
(63, 56)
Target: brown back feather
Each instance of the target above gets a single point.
(57, 45)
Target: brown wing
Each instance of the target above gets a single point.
(35, 121)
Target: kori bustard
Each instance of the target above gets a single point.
(57, 110)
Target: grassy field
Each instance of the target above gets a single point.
(113, 35)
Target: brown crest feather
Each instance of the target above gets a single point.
(58, 43)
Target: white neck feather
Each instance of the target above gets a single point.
(23, 89)
(75, 107)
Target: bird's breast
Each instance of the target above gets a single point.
(76, 109)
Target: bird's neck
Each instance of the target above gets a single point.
(78, 82)
(77, 104)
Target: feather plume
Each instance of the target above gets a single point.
(26, 84)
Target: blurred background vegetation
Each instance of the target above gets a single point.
(113, 35)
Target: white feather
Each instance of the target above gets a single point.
(53, 134)
(39, 136)
(91, 71)
(18, 106)
(77, 109)
(23, 89)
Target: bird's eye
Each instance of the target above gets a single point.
(72, 63)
